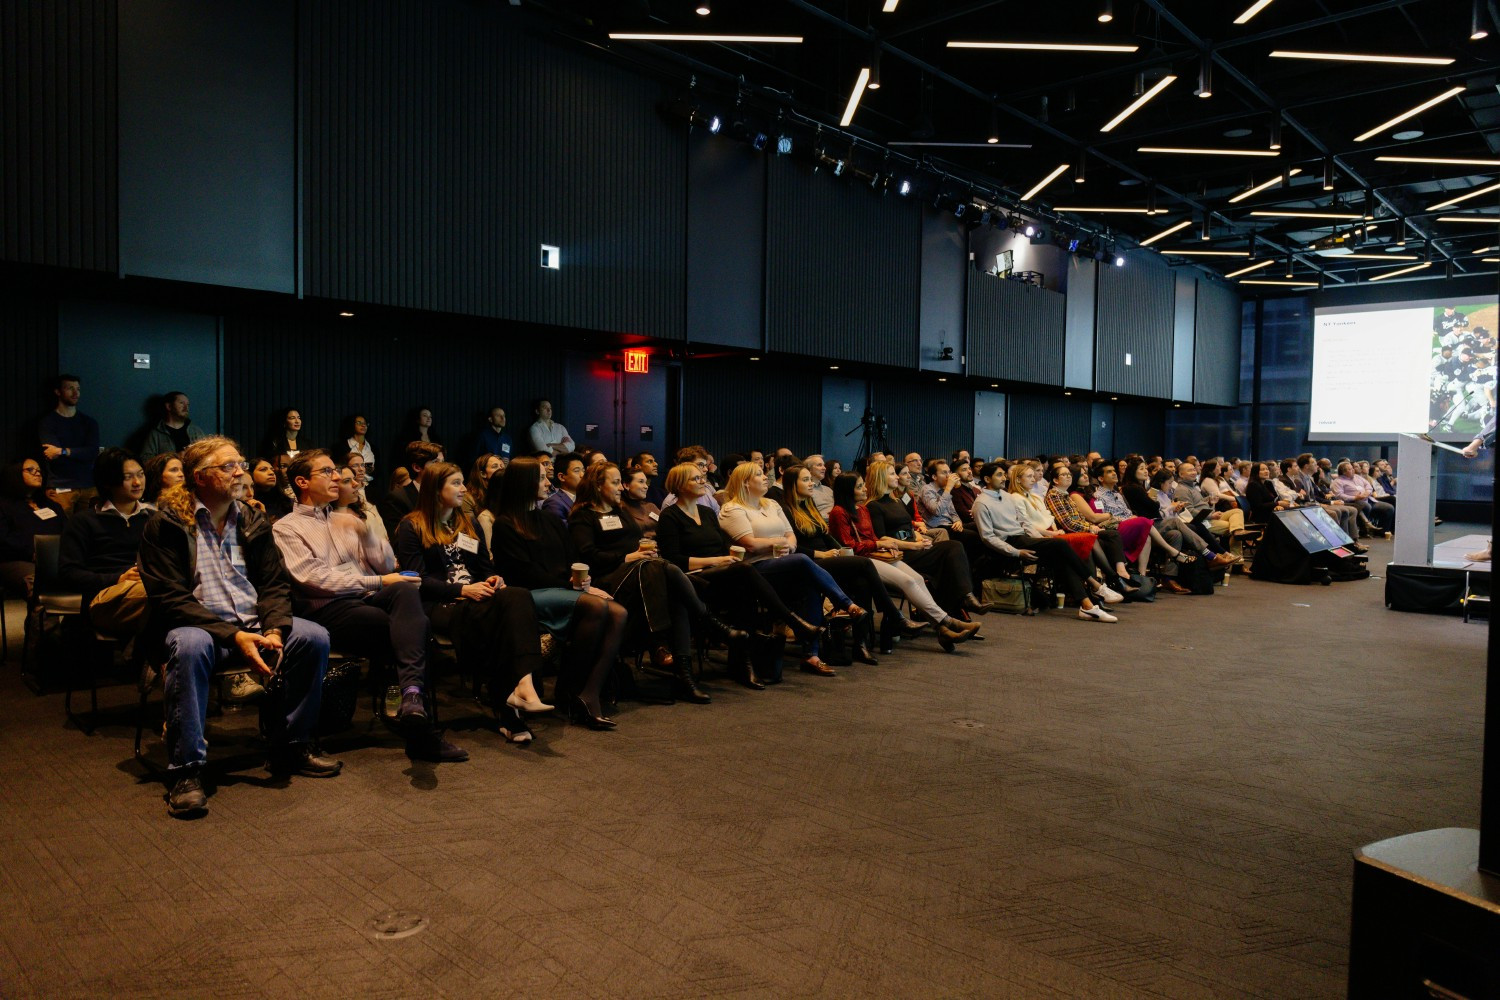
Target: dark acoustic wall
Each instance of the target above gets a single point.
(1078, 366)
(945, 270)
(445, 145)
(1135, 317)
(330, 371)
(728, 407)
(726, 236)
(28, 357)
(1216, 346)
(1016, 331)
(1184, 326)
(1139, 428)
(1046, 425)
(929, 419)
(208, 142)
(825, 296)
(58, 129)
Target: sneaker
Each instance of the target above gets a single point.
(243, 687)
(435, 749)
(1109, 595)
(187, 797)
(1096, 614)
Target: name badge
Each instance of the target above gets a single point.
(505, 449)
(653, 515)
(468, 543)
(236, 557)
(45, 513)
(610, 522)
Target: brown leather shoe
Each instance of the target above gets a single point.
(811, 666)
(1173, 587)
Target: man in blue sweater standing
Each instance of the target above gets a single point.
(70, 444)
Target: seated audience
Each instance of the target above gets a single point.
(822, 493)
(219, 594)
(483, 469)
(364, 604)
(99, 548)
(1101, 504)
(162, 472)
(1357, 493)
(25, 512)
(493, 626)
(355, 436)
(571, 469)
(266, 485)
(945, 564)
(698, 456)
(174, 431)
(1261, 494)
(641, 510)
(284, 435)
(646, 462)
(402, 499)
(1106, 551)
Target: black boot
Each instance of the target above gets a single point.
(717, 628)
(685, 688)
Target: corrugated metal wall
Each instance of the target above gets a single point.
(1046, 425)
(444, 146)
(1216, 358)
(1015, 331)
(330, 371)
(28, 357)
(58, 111)
(733, 405)
(930, 419)
(825, 295)
(1135, 316)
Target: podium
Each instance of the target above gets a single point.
(1420, 577)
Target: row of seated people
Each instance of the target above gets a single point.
(221, 581)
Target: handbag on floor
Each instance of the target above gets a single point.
(1010, 595)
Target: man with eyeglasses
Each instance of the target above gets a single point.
(220, 594)
(365, 608)
(697, 455)
(99, 548)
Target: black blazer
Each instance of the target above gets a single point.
(604, 549)
(432, 562)
(536, 563)
(678, 539)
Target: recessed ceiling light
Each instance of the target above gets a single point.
(347, 315)
(1408, 134)
(1236, 133)
(942, 379)
(833, 368)
(1430, 102)
(1129, 182)
(623, 36)
(1045, 46)
(1137, 104)
(1196, 151)
(703, 10)
(1361, 57)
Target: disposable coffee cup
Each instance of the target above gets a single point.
(846, 551)
(738, 551)
(1060, 599)
(580, 578)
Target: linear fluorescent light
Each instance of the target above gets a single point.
(1438, 159)
(968, 145)
(1439, 99)
(1454, 201)
(1489, 260)
(1483, 250)
(1101, 210)
(1360, 57)
(1404, 270)
(1348, 216)
(1247, 270)
(1277, 281)
(1062, 168)
(1257, 189)
(665, 37)
(1167, 232)
(1484, 220)
(890, 6)
(1136, 104)
(1252, 10)
(1375, 256)
(1207, 253)
(1045, 46)
(854, 96)
(1194, 151)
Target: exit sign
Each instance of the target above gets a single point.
(637, 361)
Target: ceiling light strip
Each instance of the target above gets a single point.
(1486, 220)
(1045, 46)
(1061, 169)
(1374, 256)
(1167, 232)
(890, 6)
(1439, 160)
(623, 36)
(1274, 281)
(1135, 105)
(1431, 102)
(1207, 253)
(1361, 57)
(1454, 201)
(1403, 270)
(1195, 151)
(854, 96)
(1247, 270)
(968, 145)
(1341, 216)
(1101, 210)
(1252, 10)
(1257, 189)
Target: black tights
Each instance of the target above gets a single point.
(598, 630)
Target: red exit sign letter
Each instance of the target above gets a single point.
(637, 361)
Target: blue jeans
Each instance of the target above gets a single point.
(802, 583)
(192, 657)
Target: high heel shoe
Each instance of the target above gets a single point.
(956, 631)
(946, 641)
(813, 665)
(910, 629)
(975, 605)
(804, 630)
(862, 654)
(533, 705)
(580, 714)
(854, 611)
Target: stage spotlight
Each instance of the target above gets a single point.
(905, 188)
(1119, 260)
(758, 142)
(1073, 245)
(1030, 230)
(783, 145)
(960, 210)
(1037, 234)
(715, 124)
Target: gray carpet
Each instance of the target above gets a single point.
(1160, 808)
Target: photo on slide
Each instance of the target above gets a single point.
(1461, 383)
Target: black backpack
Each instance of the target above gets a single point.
(1197, 576)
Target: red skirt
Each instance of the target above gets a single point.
(1082, 543)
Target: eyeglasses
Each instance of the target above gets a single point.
(330, 472)
(229, 467)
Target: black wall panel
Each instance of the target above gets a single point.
(28, 359)
(1135, 317)
(1046, 425)
(58, 128)
(1082, 292)
(929, 419)
(825, 296)
(1015, 331)
(330, 371)
(726, 235)
(1139, 428)
(1216, 351)
(945, 267)
(445, 145)
(208, 141)
(729, 407)
(1184, 325)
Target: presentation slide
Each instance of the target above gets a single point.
(1403, 367)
